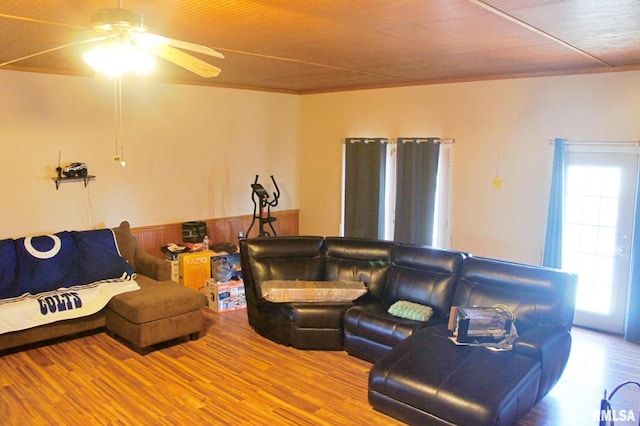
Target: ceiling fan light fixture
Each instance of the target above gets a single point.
(116, 57)
(125, 46)
(119, 19)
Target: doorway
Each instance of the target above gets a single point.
(600, 190)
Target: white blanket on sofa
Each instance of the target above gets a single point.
(28, 310)
(53, 277)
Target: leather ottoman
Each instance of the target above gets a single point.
(429, 380)
(159, 312)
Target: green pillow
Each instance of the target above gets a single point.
(410, 310)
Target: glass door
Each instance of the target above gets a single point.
(600, 193)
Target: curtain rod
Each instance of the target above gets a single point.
(423, 140)
(393, 141)
(596, 142)
(369, 140)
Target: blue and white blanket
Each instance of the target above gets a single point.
(60, 276)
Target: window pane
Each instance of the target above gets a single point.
(591, 211)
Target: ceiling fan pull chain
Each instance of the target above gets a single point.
(115, 116)
(117, 95)
(120, 123)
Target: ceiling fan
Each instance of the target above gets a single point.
(124, 32)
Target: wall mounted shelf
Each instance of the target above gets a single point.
(84, 179)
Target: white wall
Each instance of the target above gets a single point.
(516, 118)
(192, 152)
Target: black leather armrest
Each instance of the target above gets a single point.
(541, 342)
(551, 346)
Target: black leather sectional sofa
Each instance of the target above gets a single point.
(419, 375)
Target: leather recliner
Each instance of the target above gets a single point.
(305, 325)
(422, 275)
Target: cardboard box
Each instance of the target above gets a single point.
(175, 270)
(225, 266)
(194, 268)
(224, 297)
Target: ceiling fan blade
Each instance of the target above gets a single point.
(193, 47)
(184, 60)
(42, 21)
(42, 52)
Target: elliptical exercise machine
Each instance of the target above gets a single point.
(260, 199)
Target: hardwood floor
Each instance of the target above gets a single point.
(233, 376)
(598, 361)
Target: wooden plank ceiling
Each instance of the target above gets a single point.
(310, 46)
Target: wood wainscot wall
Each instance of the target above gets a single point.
(219, 230)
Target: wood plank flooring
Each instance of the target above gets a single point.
(232, 376)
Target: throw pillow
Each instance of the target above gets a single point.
(410, 310)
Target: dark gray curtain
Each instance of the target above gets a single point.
(416, 179)
(365, 165)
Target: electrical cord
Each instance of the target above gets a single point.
(606, 412)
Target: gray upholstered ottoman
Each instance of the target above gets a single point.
(159, 312)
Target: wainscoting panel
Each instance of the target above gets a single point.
(152, 238)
